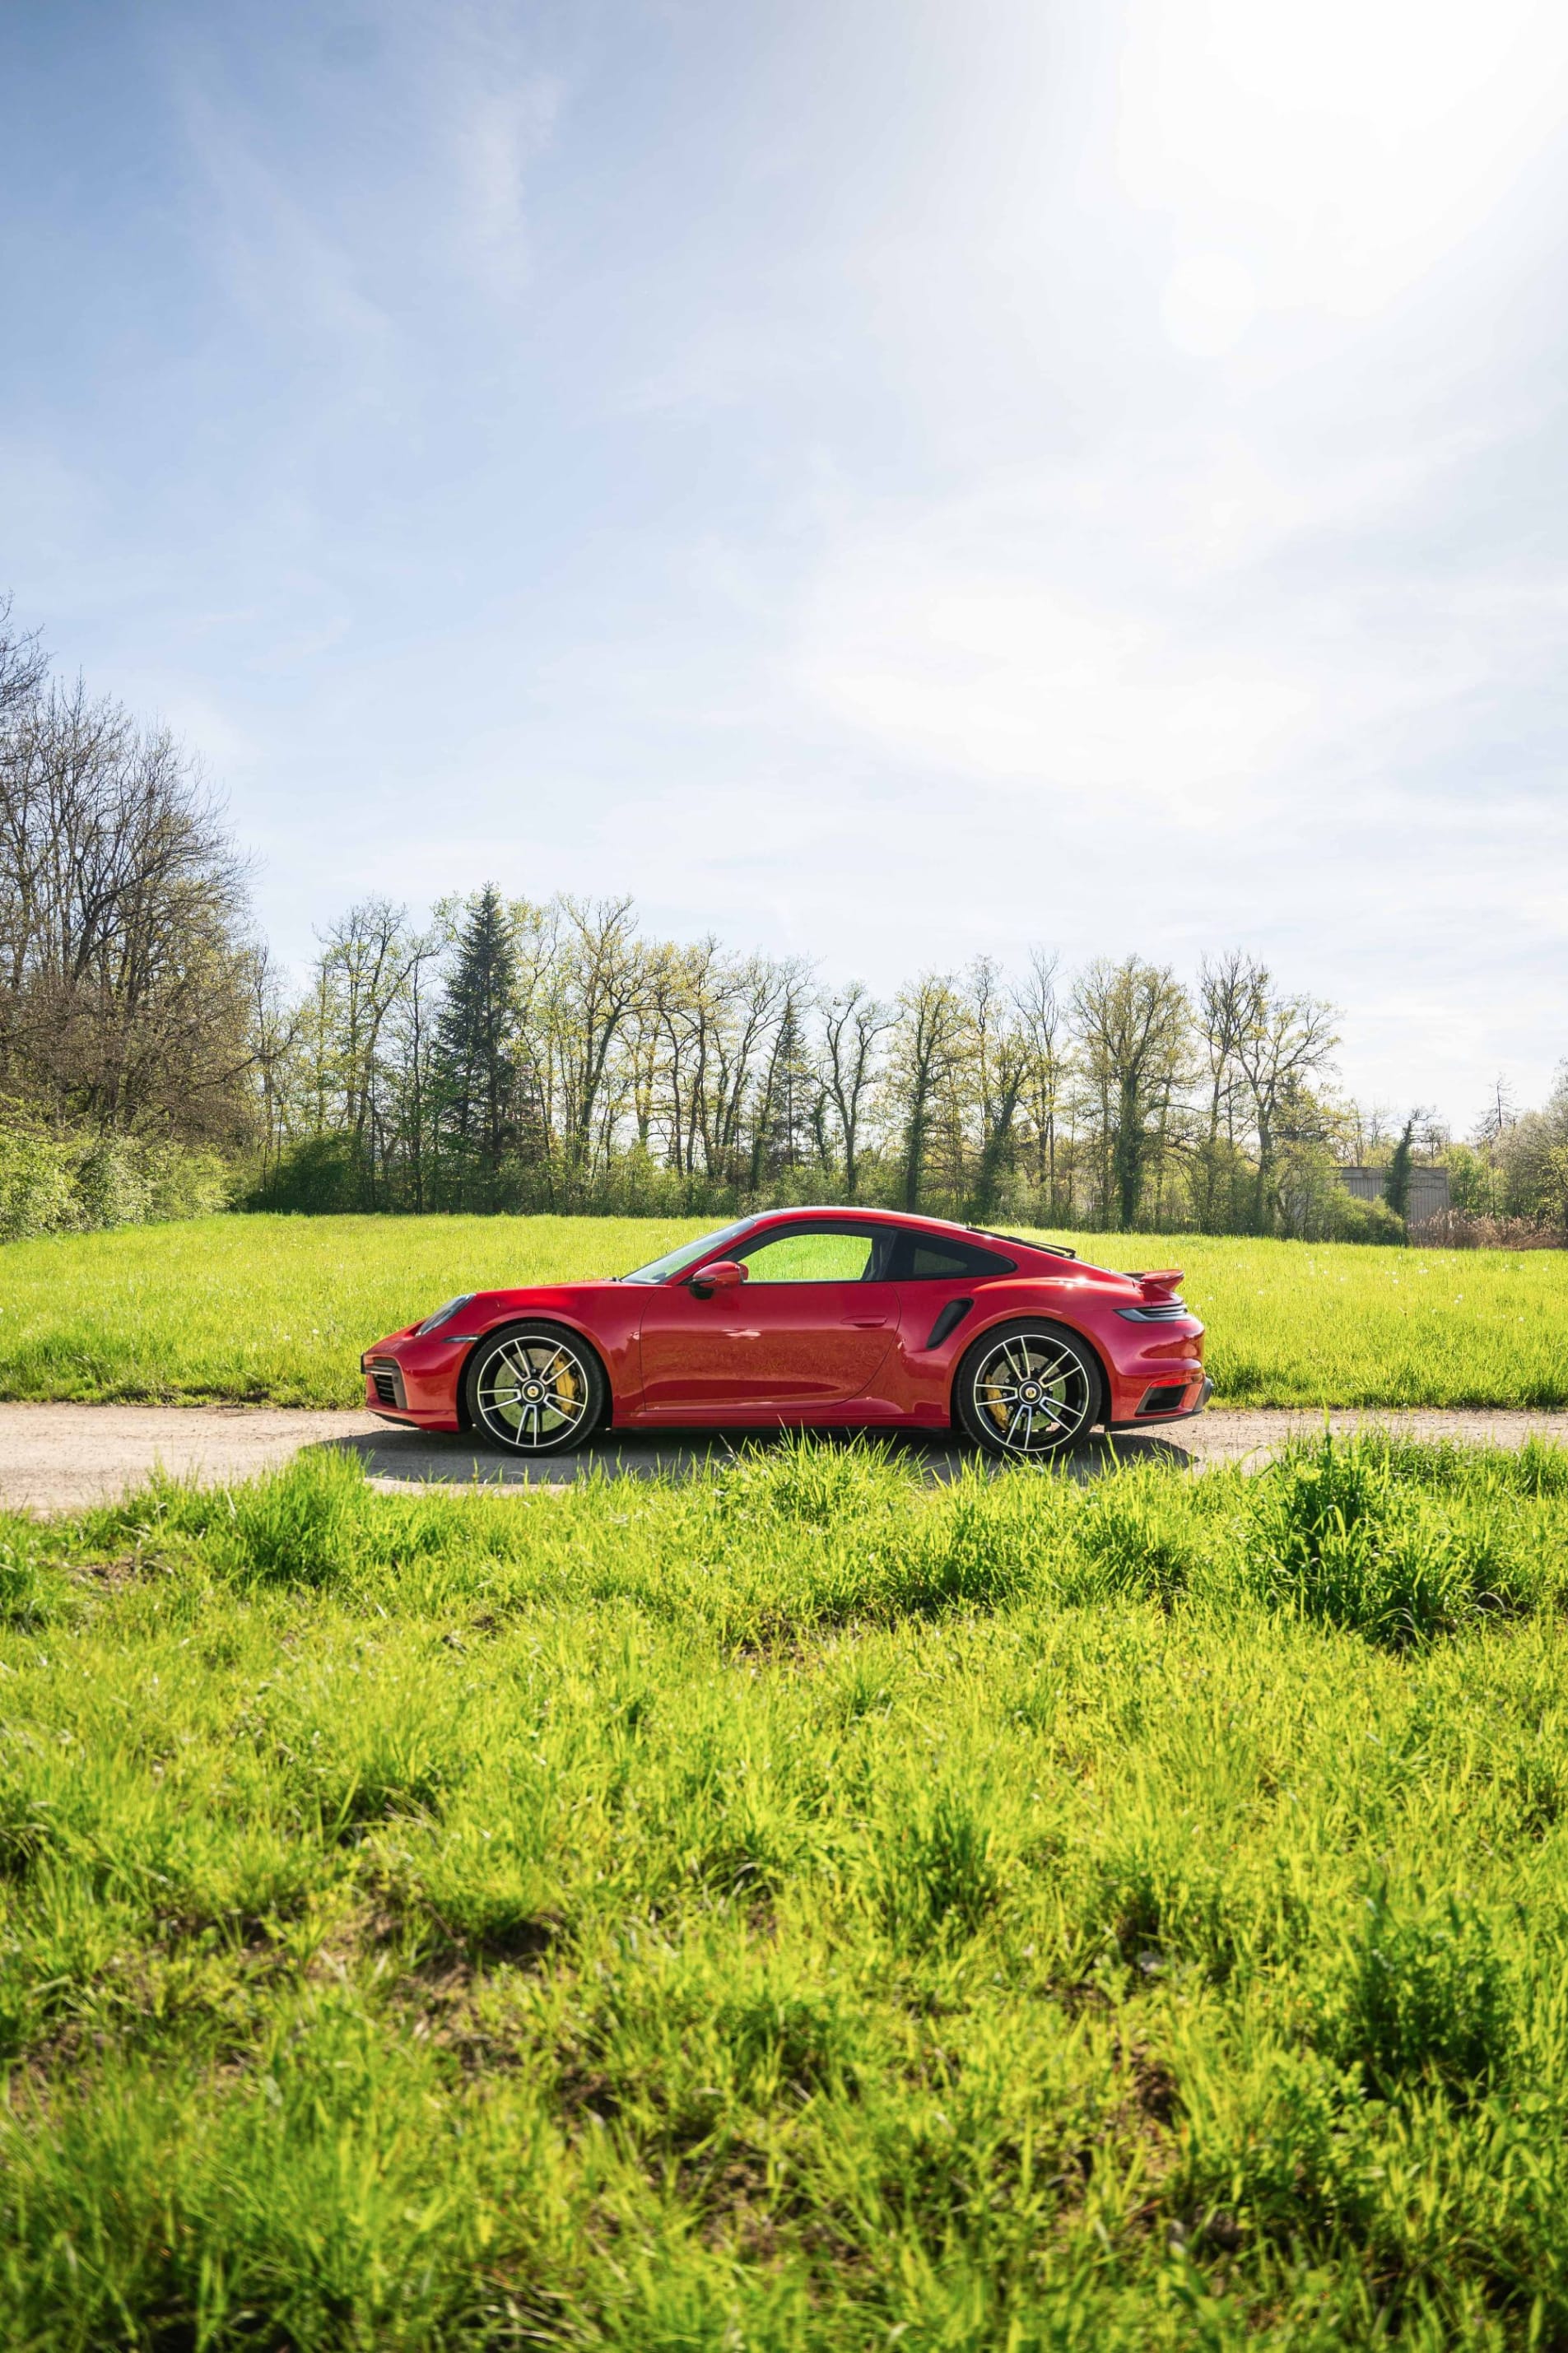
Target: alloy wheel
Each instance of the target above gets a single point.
(534, 1394)
(1031, 1394)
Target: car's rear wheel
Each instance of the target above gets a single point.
(1027, 1391)
(534, 1388)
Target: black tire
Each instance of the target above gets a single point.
(1028, 1390)
(569, 1396)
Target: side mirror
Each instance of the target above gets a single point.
(725, 1275)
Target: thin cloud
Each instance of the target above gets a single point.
(269, 250)
(502, 120)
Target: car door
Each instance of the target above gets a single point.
(810, 1327)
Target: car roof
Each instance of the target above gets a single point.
(832, 1211)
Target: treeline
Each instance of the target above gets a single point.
(522, 1056)
(508, 1054)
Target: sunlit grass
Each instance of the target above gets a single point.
(793, 1909)
(278, 1309)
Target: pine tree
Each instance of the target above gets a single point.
(476, 1054)
(790, 1095)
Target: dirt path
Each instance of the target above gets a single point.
(58, 1458)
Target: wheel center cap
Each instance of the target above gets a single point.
(533, 1392)
(1031, 1393)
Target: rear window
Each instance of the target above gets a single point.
(934, 1260)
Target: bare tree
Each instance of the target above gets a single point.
(1500, 1113)
(600, 980)
(1226, 991)
(1043, 1022)
(123, 954)
(24, 665)
(751, 1001)
(852, 1024)
(998, 1060)
(685, 993)
(274, 1035)
(413, 1036)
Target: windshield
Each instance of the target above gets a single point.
(676, 1262)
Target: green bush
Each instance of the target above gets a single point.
(319, 1177)
(1354, 1220)
(55, 1183)
(37, 1190)
(181, 1184)
(111, 1189)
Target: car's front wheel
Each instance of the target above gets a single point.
(534, 1388)
(1027, 1391)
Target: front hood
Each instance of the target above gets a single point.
(488, 1308)
(531, 1294)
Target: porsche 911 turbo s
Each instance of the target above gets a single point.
(809, 1318)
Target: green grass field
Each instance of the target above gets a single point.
(794, 1911)
(278, 1309)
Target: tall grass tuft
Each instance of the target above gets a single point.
(1347, 1532)
(1420, 1990)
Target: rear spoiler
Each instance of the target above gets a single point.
(1160, 1285)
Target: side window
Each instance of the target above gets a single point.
(924, 1260)
(811, 1254)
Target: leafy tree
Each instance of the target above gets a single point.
(1284, 1043)
(1473, 1185)
(1533, 1156)
(1133, 1022)
(928, 1045)
(1396, 1184)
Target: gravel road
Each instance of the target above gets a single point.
(57, 1458)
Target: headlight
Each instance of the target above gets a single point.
(441, 1314)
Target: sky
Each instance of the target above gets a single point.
(883, 481)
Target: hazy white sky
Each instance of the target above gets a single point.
(888, 480)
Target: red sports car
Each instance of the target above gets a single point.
(825, 1317)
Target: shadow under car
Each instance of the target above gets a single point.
(462, 1459)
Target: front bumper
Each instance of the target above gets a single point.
(422, 1392)
(1193, 1400)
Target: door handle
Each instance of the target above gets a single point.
(865, 1323)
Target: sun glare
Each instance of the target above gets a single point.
(1326, 157)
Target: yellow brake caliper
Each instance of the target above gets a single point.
(995, 1406)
